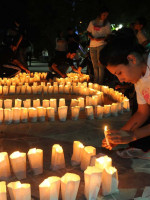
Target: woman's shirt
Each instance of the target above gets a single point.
(97, 30)
(142, 87)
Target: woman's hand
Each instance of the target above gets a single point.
(105, 145)
(121, 137)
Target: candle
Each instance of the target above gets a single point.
(69, 186)
(19, 191)
(45, 103)
(94, 100)
(4, 166)
(50, 113)
(5, 90)
(103, 162)
(55, 88)
(120, 107)
(16, 115)
(23, 89)
(1, 103)
(50, 89)
(32, 114)
(114, 109)
(106, 132)
(50, 188)
(24, 115)
(34, 89)
(3, 193)
(75, 112)
(36, 103)
(92, 179)
(81, 103)
(74, 102)
(8, 103)
(62, 113)
(61, 89)
(110, 181)
(39, 89)
(41, 114)
(88, 151)
(29, 89)
(18, 103)
(27, 103)
(18, 163)
(107, 110)
(45, 89)
(90, 85)
(62, 102)
(8, 116)
(35, 157)
(100, 97)
(126, 104)
(77, 153)
(99, 111)
(57, 158)
(89, 112)
(12, 89)
(53, 104)
(88, 101)
(1, 89)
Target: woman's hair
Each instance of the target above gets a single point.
(119, 45)
(103, 10)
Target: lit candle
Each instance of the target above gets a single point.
(45, 103)
(103, 162)
(110, 181)
(23, 89)
(62, 113)
(29, 89)
(18, 103)
(5, 90)
(19, 191)
(3, 193)
(50, 89)
(120, 107)
(4, 166)
(88, 151)
(77, 153)
(1, 115)
(18, 163)
(89, 112)
(1, 89)
(81, 103)
(106, 132)
(126, 104)
(35, 157)
(90, 85)
(8, 103)
(36, 103)
(94, 100)
(50, 188)
(8, 116)
(107, 110)
(57, 158)
(27, 103)
(53, 104)
(12, 89)
(24, 115)
(74, 102)
(92, 179)
(88, 101)
(61, 89)
(55, 87)
(34, 89)
(32, 114)
(62, 102)
(99, 111)
(114, 109)
(50, 113)
(45, 90)
(16, 115)
(75, 112)
(39, 89)
(69, 186)
(41, 114)
(1, 103)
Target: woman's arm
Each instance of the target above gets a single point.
(55, 68)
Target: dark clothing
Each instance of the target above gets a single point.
(73, 42)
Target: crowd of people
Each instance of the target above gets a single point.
(123, 53)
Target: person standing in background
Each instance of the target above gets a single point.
(97, 30)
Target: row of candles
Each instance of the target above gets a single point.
(19, 114)
(98, 170)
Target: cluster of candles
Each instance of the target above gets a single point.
(98, 171)
(48, 108)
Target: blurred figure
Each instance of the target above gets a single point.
(45, 55)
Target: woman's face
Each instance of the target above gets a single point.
(126, 73)
(104, 16)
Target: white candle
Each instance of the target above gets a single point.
(92, 179)
(77, 153)
(81, 103)
(103, 162)
(94, 100)
(55, 88)
(69, 186)
(8, 103)
(62, 113)
(89, 112)
(110, 181)
(99, 111)
(61, 89)
(45, 103)
(23, 89)
(18, 163)
(34, 89)
(3, 192)
(12, 89)
(114, 109)
(50, 188)
(16, 115)
(45, 90)
(35, 157)
(4, 166)
(18, 103)
(8, 116)
(74, 102)
(75, 112)
(50, 113)
(32, 114)
(18, 191)
(36, 103)
(24, 115)
(62, 102)
(50, 89)
(5, 90)
(90, 85)
(18, 89)
(86, 156)
(107, 110)
(29, 89)
(120, 107)
(126, 104)
(27, 103)
(88, 101)
(41, 114)
(57, 158)
(53, 104)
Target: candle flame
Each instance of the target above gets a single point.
(105, 128)
(16, 154)
(34, 150)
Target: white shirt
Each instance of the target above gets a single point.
(142, 87)
(97, 30)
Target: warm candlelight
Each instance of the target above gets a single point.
(88, 151)
(53, 104)
(69, 186)
(92, 179)
(77, 153)
(4, 166)
(8, 103)
(62, 113)
(18, 103)
(114, 109)
(88, 101)
(57, 158)
(89, 112)
(75, 112)
(18, 163)
(62, 102)
(103, 162)
(99, 111)
(107, 110)
(12, 89)
(49, 189)
(32, 114)
(36, 103)
(16, 115)
(8, 116)
(106, 132)
(24, 115)
(81, 103)
(3, 193)
(50, 113)
(35, 157)
(41, 114)
(45, 103)
(27, 103)
(1, 115)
